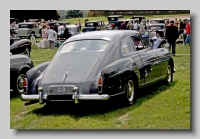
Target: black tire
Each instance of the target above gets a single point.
(19, 83)
(130, 92)
(27, 52)
(169, 75)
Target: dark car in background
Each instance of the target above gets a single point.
(18, 46)
(98, 65)
(19, 65)
(94, 25)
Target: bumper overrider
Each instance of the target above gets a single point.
(41, 98)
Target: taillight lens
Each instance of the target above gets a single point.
(25, 82)
(100, 84)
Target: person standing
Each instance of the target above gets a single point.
(187, 30)
(181, 27)
(135, 25)
(123, 26)
(44, 34)
(66, 32)
(172, 36)
(129, 26)
(51, 36)
(79, 24)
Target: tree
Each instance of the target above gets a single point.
(34, 14)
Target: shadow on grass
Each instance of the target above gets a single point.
(14, 95)
(90, 108)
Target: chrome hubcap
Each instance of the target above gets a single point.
(20, 83)
(130, 90)
(169, 73)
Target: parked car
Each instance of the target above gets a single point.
(18, 46)
(96, 66)
(138, 18)
(114, 18)
(19, 65)
(157, 21)
(119, 22)
(73, 30)
(60, 23)
(94, 25)
(159, 28)
(28, 29)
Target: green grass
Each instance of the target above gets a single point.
(157, 107)
(104, 18)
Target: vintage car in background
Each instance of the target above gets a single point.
(119, 22)
(72, 30)
(157, 21)
(98, 65)
(19, 65)
(94, 25)
(138, 18)
(18, 46)
(59, 22)
(34, 20)
(112, 19)
(28, 29)
(157, 28)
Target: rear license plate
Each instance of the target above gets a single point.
(60, 89)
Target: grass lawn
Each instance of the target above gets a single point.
(157, 107)
(104, 18)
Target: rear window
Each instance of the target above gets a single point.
(84, 45)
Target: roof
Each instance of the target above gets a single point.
(115, 16)
(27, 23)
(158, 19)
(127, 20)
(92, 21)
(103, 34)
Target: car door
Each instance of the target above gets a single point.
(128, 51)
(150, 61)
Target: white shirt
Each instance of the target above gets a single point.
(51, 34)
(135, 25)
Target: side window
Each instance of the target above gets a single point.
(127, 46)
(137, 41)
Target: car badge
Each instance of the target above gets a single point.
(65, 75)
(50, 89)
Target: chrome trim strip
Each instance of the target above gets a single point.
(117, 94)
(91, 97)
(155, 79)
(60, 100)
(32, 97)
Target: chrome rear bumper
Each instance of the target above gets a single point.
(41, 97)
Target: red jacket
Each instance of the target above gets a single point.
(187, 29)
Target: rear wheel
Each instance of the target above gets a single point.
(130, 90)
(169, 76)
(19, 87)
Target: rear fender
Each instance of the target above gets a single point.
(33, 75)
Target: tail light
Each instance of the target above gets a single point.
(97, 85)
(25, 82)
(100, 84)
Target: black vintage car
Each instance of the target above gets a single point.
(159, 28)
(138, 18)
(18, 46)
(94, 26)
(96, 66)
(19, 65)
